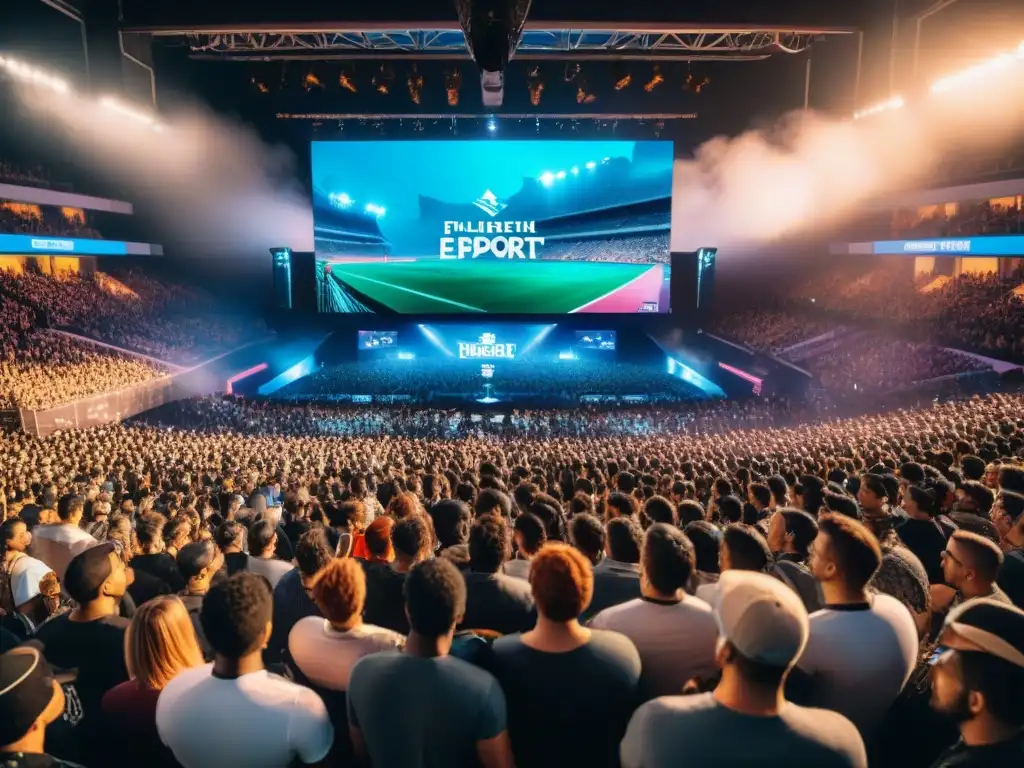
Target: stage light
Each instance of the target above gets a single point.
(452, 84)
(415, 83)
(884, 106)
(492, 126)
(259, 85)
(340, 200)
(574, 74)
(376, 210)
(30, 74)
(311, 81)
(560, 175)
(433, 338)
(406, 356)
(383, 79)
(622, 76)
(113, 104)
(547, 178)
(591, 165)
(656, 79)
(346, 81)
(583, 96)
(535, 85)
(964, 77)
(695, 84)
(575, 170)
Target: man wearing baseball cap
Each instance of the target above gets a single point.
(30, 699)
(746, 720)
(977, 679)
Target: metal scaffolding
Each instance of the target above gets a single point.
(445, 43)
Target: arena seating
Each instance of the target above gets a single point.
(49, 222)
(168, 321)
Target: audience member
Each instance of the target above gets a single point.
(617, 574)
(674, 633)
(324, 650)
(976, 681)
(57, 544)
(31, 699)
(159, 644)
(746, 720)
(451, 713)
(862, 647)
(90, 638)
(284, 723)
(494, 601)
(536, 669)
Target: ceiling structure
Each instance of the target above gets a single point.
(671, 42)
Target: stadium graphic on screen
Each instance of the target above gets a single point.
(507, 227)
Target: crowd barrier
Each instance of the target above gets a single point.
(107, 407)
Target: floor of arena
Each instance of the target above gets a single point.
(543, 287)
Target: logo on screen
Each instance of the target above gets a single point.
(487, 347)
(489, 204)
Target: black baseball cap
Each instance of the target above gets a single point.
(26, 690)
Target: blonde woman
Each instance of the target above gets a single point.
(160, 643)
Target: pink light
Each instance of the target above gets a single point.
(745, 376)
(244, 374)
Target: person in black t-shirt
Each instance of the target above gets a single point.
(230, 539)
(920, 532)
(153, 559)
(1008, 516)
(385, 601)
(977, 679)
(570, 691)
(199, 563)
(91, 637)
(31, 698)
(494, 601)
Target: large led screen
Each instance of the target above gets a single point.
(509, 227)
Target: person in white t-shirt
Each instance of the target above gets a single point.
(56, 545)
(262, 545)
(675, 633)
(269, 722)
(862, 646)
(324, 650)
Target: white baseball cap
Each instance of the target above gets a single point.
(26, 574)
(761, 617)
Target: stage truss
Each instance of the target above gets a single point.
(447, 42)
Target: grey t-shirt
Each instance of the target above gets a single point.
(698, 730)
(423, 713)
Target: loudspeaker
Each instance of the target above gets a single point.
(692, 284)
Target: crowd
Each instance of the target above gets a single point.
(274, 417)
(563, 381)
(822, 594)
(970, 219)
(769, 330)
(35, 176)
(872, 365)
(631, 249)
(40, 370)
(979, 311)
(48, 222)
(170, 322)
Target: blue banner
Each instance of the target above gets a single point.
(61, 246)
(995, 245)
